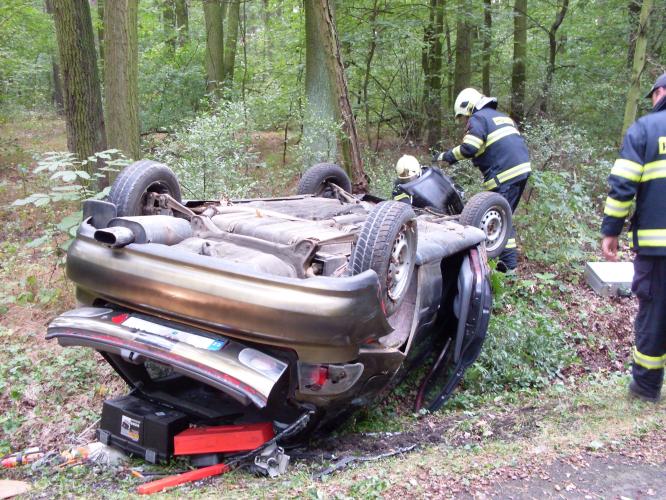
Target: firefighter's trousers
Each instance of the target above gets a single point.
(512, 194)
(649, 285)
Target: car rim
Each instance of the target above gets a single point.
(494, 227)
(155, 187)
(400, 263)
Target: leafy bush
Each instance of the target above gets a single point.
(526, 345)
(211, 154)
(71, 180)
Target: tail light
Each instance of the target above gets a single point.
(326, 380)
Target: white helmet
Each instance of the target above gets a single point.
(408, 168)
(465, 102)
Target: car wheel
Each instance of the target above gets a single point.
(387, 245)
(130, 190)
(491, 213)
(316, 178)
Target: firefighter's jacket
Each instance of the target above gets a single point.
(640, 173)
(494, 144)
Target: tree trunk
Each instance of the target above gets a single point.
(56, 78)
(326, 87)
(463, 69)
(231, 42)
(487, 45)
(368, 68)
(518, 73)
(633, 11)
(169, 23)
(121, 77)
(100, 33)
(182, 22)
(83, 101)
(552, 54)
(214, 19)
(432, 68)
(634, 93)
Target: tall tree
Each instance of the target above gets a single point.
(84, 117)
(327, 92)
(518, 71)
(552, 54)
(487, 45)
(169, 23)
(231, 41)
(100, 32)
(214, 20)
(56, 78)
(634, 92)
(431, 61)
(463, 69)
(182, 21)
(121, 77)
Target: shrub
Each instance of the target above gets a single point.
(211, 154)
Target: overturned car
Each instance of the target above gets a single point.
(266, 309)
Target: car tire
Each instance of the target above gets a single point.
(314, 180)
(129, 190)
(491, 213)
(387, 245)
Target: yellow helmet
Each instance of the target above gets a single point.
(408, 168)
(465, 102)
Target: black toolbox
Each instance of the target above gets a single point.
(140, 427)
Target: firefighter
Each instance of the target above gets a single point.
(494, 144)
(640, 173)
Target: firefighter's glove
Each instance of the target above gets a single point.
(447, 157)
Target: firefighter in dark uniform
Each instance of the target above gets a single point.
(640, 173)
(494, 144)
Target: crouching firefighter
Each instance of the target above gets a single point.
(494, 144)
(640, 173)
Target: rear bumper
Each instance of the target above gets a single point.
(243, 373)
(322, 319)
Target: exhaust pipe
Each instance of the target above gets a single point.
(114, 237)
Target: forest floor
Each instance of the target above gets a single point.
(579, 438)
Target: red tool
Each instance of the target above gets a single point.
(185, 477)
(222, 439)
(23, 457)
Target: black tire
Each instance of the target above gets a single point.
(387, 245)
(492, 213)
(315, 178)
(129, 190)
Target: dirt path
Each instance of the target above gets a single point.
(612, 476)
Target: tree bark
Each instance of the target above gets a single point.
(487, 45)
(634, 92)
(463, 69)
(327, 70)
(552, 54)
(83, 100)
(231, 42)
(518, 73)
(432, 69)
(214, 19)
(121, 77)
(182, 22)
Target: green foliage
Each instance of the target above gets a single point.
(211, 155)
(71, 180)
(527, 345)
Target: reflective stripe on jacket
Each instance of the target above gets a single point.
(495, 145)
(640, 174)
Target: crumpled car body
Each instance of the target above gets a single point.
(248, 310)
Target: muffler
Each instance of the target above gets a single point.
(162, 229)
